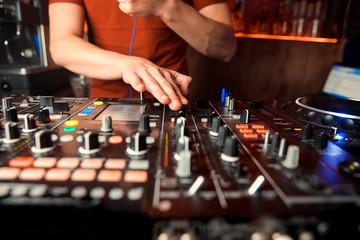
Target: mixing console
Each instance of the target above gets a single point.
(214, 170)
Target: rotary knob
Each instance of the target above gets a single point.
(232, 104)
(43, 142)
(137, 145)
(106, 124)
(29, 124)
(321, 141)
(215, 125)
(245, 117)
(183, 168)
(230, 152)
(184, 143)
(90, 143)
(6, 103)
(306, 132)
(292, 157)
(11, 115)
(283, 148)
(144, 124)
(275, 143)
(223, 133)
(210, 119)
(11, 132)
(44, 116)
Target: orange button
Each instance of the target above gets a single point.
(94, 163)
(68, 162)
(45, 162)
(257, 126)
(57, 174)
(22, 162)
(136, 176)
(8, 173)
(114, 163)
(243, 130)
(115, 139)
(84, 175)
(262, 131)
(109, 176)
(32, 174)
(242, 126)
(250, 135)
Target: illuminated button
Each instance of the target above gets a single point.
(113, 163)
(69, 129)
(55, 117)
(78, 192)
(98, 103)
(242, 126)
(262, 131)
(87, 110)
(34, 174)
(116, 194)
(94, 163)
(250, 135)
(109, 176)
(68, 162)
(56, 174)
(244, 130)
(8, 173)
(139, 164)
(71, 123)
(97, 193)
(115, 139)
(22, 162)
(83, 175)
(136, 176)
(38, 191)
(45, 162)
(257, 126)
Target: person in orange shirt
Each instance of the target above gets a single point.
(139, 42)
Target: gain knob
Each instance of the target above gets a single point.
(11, 115)
(210, 119)
(90, 143)
(215, 125)
(283, 148)
(230, 152)
(43, 142)
(11, 132)
(29, 123)
(321, 141)
(292, 157)
(245, 117)
(144, 124)
(106, 124)
(6, 103)
(306, 132)
(137, 145)
(223, 133)
(44, 116)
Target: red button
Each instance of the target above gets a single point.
(250, 135)
(21, 162)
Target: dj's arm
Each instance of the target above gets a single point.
(69, 49)
(209, 30)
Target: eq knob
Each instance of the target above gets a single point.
(29, 124)
(292, 157)
(90, 143)
(11, 132)
(321, 141)
(183, 168)
(137, 145)
(44, 116)
(106, 124)
(11, 115)
(43, 142)
(282, 148)
(306, 132)
(275, 143)
(6, 103)
(230, 151)
(144, 124)
(215, 125)
(245, 116)
(210, 119)
(223, 133)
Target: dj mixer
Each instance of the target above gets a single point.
(134, 169)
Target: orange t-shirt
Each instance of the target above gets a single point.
(111, 29)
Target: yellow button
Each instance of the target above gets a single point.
(71, 123)
(98, 103)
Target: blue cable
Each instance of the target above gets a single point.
(131, 47)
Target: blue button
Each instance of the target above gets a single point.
(87, 110)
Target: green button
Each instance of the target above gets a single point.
(69, 129)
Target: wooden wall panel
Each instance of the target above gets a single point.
(265, 69)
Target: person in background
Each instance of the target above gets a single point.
(138, 42)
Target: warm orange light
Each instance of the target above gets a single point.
(289, 38)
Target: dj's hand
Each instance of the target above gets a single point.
(142, 8)
(167, 86)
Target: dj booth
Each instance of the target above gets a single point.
(134, 169)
